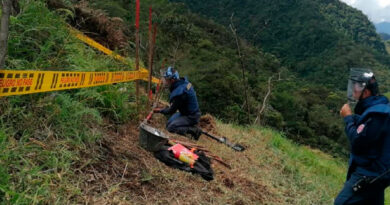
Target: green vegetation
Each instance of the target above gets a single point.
(383, 27)
(43, 136)
(300, 175)
(206, 52)
(316, 39)
(48, 140)
(311, 43)
(385, 36)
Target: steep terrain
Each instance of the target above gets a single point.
(81, 146)
(206, 52)
(385, 36)
(383, 27)
(313, 38)
(317, 42)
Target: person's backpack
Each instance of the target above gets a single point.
(202, 165)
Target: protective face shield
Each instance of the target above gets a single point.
(358, 81)
(355, 90)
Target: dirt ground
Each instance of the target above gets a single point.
(124, 173)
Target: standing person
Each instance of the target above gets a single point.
(182, 98)
(368, 131)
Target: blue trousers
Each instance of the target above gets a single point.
(180, 124)
(372, 195)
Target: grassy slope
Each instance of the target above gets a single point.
(273, 170)
(297, 174)
(43, 136)
(290, 173)
(63, 147)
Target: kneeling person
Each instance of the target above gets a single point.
(183, 98)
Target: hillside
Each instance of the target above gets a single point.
(383, 27)
(385, 36)
(272, 171)
(207, 53)
(59, 146)
(316, 43)
(312, 38)
(81, 146)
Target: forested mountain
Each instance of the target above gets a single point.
(385, 36)
(315, 38)
(284, 79)
(295, 58)
(383, 27)
(305, 48)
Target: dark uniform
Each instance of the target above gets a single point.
(183, 98)
(368, 132)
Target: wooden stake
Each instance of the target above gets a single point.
(137, 53)
(4, 30)
(150, 57)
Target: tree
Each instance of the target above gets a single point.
(4, 30)
(258, 118)
(234, 31)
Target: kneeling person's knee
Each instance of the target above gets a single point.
(171, 127)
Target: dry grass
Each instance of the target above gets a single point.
(263, 174)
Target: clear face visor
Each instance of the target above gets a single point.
(355, 90)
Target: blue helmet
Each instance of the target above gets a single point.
(171, 73)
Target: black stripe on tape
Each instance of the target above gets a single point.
(90, 79)
(52, 81)
(38, 80)
(43, 77)
(82, 79)
(56, 80)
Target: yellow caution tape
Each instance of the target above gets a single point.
(20, 82)
(15, 82)
(79, 35)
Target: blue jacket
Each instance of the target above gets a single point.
(369, 136)
(182, 98)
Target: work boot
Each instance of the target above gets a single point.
(195, 132)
